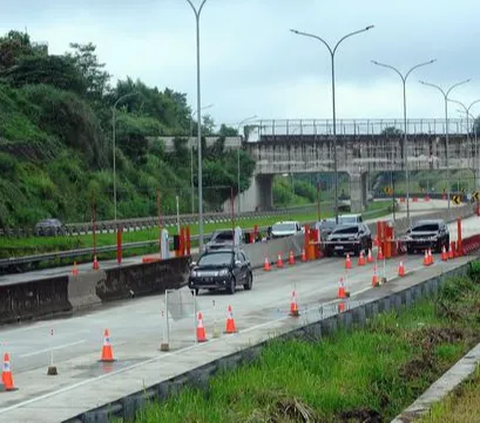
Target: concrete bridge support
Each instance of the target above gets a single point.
(358, 192)
(259, 196)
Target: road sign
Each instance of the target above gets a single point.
(463, 190)
(388, 190)
(457, 199)
(476, 196)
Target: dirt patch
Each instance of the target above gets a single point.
(431, 337)
(293, 410)
(362, 415)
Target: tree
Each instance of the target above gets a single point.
(86, 61)
(208, 126)
(227, 131)
(392, 131)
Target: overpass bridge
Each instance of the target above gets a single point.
(363, 146)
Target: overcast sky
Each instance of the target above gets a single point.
(252, 64)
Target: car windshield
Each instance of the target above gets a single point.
(430, 227)
(347, 230)
(283, 227)
(223, 236)
(218, 259)
(328, 224)
(347, 219)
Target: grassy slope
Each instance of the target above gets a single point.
(35, 245)
(371, 373)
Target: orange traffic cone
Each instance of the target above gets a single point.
(380, 254)
(304, 255)
(341, 289)
(375, 277)
(266, 265)
(425, 259)
(291, 259)
(7, 377)
(444, 254)
(361, 259)
(450, 253)
(279, 261)
(75, 270)
(107, 352)
(96, 266)
(369, 256)
(230, 325)
(294, 305)
(348, 262)
(401, 269)
(201, 335)
(341, 307)
(430, 257)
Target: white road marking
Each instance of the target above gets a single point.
(58, 347)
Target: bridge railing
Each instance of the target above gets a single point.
(324, 127)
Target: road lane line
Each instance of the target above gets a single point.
(58, 347)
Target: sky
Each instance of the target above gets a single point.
(251, 64)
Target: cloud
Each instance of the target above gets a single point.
(252, 64)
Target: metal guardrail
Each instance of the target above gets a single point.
(107, 226)
(17, 261)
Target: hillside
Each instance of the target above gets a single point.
(56, 149)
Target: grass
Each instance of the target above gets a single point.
(15, 247)
(461, 406)
(371, 374)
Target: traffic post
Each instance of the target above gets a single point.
(119, 244)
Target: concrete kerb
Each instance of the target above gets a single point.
(369, 304)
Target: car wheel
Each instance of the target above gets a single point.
(247, 286)
(197, 291)
(231, 287)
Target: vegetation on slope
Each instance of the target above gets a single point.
(56, 149)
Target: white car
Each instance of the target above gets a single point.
(289, 228)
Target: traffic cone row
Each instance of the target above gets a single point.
(279, 263)
(428, 258)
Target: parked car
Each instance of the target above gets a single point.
(222, 269)
(326, 227)
(283, 229)
(427, 234)
(49, 227)
(223, 238)
(351, 238)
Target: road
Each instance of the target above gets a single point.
(417, 209)
(136, 328)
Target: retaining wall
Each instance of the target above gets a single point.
(378, 301)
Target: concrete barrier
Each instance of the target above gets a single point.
(143, 279)
(82, 289)
(388, 299)
(30, 300)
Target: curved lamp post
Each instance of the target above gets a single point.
(404, 78)
(332, 52)
(447, 152)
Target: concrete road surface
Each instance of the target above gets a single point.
(136, 329)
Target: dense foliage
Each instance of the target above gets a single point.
(56, 149)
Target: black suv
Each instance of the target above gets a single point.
(221, 269)
(348, 239)
(427, 234)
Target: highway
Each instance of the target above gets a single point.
(417, 209)
(136, 328)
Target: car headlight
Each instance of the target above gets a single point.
(194, 274)
(223, 272)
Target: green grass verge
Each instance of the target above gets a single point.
(370, 374)
(16, 247)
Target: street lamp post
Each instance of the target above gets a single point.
(238, 159)
(123, 97)
(192, 187)
(197, 13)
(332, 52)
(404, 78)
(447, 150)
(476, 168)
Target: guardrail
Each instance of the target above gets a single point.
(57, 255)
(128, 225)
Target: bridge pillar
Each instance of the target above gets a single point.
(260, 194)
(358, 192)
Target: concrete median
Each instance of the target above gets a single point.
(82, 289)
(30, 300)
